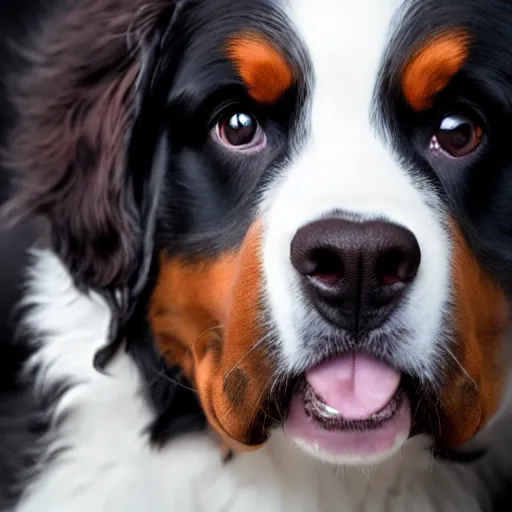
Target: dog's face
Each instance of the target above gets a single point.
(328, 188)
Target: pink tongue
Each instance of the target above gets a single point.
(356, 385)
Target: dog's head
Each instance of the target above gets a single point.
(308, 201)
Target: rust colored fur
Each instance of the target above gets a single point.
(265, 72)
(475, 385)
(432, 68)
(207, 317)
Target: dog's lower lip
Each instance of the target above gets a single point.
(352, 409)
(330, 419)
(356, 442)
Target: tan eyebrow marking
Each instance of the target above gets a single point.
(432, 68)
(265, 71)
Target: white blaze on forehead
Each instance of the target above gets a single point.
(344, 161)
(344, 166)
(345, 40)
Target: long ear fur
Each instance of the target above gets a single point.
(75, 105)
(82, 154)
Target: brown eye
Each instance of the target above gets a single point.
(457, 135)
(241, 131)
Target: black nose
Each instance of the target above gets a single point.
(355, 272)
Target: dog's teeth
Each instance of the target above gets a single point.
(330, 411)
(322, 409)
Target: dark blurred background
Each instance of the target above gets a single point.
(13, 244)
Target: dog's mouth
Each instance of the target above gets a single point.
(353, 408)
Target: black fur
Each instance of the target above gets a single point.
(477, 189)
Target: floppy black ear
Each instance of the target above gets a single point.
(84, 156)
(76, 108)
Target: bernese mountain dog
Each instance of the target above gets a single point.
(275, 260)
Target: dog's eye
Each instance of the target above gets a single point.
(241, 131)
(457, 135)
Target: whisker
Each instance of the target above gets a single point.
(431, 463)
(254, 347)
(271, 392)
(224, 416)
(274, 384)
(265, 387)
(161, 374)
(261, 394)
(438, 416)
(464, 371)
(174, 381)
(211, 329)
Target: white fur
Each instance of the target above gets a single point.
(109, 465)
(345, 167)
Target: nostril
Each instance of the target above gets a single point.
(326, 267)
(398, 266)
(316, 258)
(391, 268)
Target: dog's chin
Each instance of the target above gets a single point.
(353, 410)
(333, 439)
